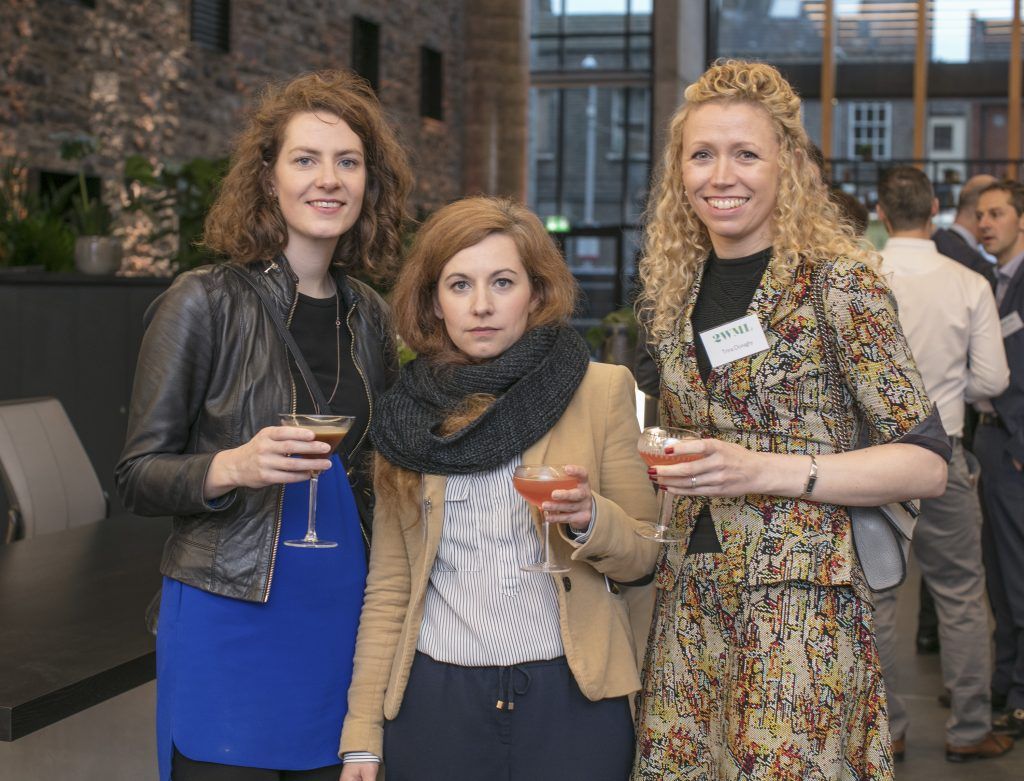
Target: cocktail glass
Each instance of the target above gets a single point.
(326, 428)
(536, 484)
(651, 445)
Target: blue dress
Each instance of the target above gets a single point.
(264, 685)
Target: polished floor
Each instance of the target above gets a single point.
(925, 760)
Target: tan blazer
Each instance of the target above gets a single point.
(598, 431)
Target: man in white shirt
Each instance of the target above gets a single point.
(949, 317)
(999, 444)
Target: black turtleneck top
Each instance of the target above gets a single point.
(726, 290)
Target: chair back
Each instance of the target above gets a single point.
(50, 482)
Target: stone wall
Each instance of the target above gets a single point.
(127, 74)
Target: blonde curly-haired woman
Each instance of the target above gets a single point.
(762, 662)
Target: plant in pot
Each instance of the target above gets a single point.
(96, 251)
(614, 339)
(34, 236)
(176, 197)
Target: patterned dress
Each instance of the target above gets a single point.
(761, 662)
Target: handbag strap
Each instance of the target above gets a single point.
(833, 372)
(319, 400)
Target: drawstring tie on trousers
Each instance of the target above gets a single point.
(508, 688)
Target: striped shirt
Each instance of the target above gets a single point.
(480, 608)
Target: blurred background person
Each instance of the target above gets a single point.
(999, 445)
(948, 314)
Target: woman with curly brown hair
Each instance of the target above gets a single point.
(761, 662)
(256, 636)
(468, 667)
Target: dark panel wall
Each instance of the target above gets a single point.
(76, 338)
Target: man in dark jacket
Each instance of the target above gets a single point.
(960, 240)
(999, 445)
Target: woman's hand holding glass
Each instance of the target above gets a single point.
(573, 506)
(719, 469)
(266, 460)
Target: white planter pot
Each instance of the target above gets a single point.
(97, 254)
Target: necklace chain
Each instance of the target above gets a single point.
(337, 346)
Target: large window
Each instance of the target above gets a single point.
(431, 83)
(870, 131)
(211, 24)
(366, 50)
(590, 137)
(573, 35)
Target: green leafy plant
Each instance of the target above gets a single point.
(620, 318)
(176, 198)
(89, 216)
(33, 232)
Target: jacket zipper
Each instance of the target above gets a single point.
(369, 398)
(280, 496)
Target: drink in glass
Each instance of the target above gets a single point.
(651, 446)
(536, 484)
(326, 428)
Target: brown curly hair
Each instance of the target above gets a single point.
(452, 229)
(245, 222)
(807, 224)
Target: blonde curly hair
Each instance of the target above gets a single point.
(807, 225)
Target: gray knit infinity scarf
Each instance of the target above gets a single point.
(533, 382)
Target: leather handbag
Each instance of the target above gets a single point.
(881, 535)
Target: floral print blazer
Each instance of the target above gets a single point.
(779, 401)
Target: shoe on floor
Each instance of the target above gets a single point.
(899, 749)
(1009, 722)
(990, 746)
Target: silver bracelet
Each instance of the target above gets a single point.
(812, 478)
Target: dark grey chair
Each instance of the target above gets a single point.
(50, 483)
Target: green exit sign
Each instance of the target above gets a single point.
(557, 223)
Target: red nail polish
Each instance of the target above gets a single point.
(662, 488)
(652, 471)
(669, 450)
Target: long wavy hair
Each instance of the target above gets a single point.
(807, 226)
(245, 222)
(448, 231)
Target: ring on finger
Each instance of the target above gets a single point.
(693, 481)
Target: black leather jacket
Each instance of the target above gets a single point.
(212, 372)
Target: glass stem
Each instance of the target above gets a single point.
(662, 511)
(311, 528)
(547, 540)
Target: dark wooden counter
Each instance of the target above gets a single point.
(72, 629)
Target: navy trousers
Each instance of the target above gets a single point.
(528, 722)
(1002, 490)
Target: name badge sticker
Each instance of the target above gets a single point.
(1010, 324)
(734, 340)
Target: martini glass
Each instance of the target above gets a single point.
(651, 445)
(326, 428)
(536, 484)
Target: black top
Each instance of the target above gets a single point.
(328, 351)
(726, 290)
